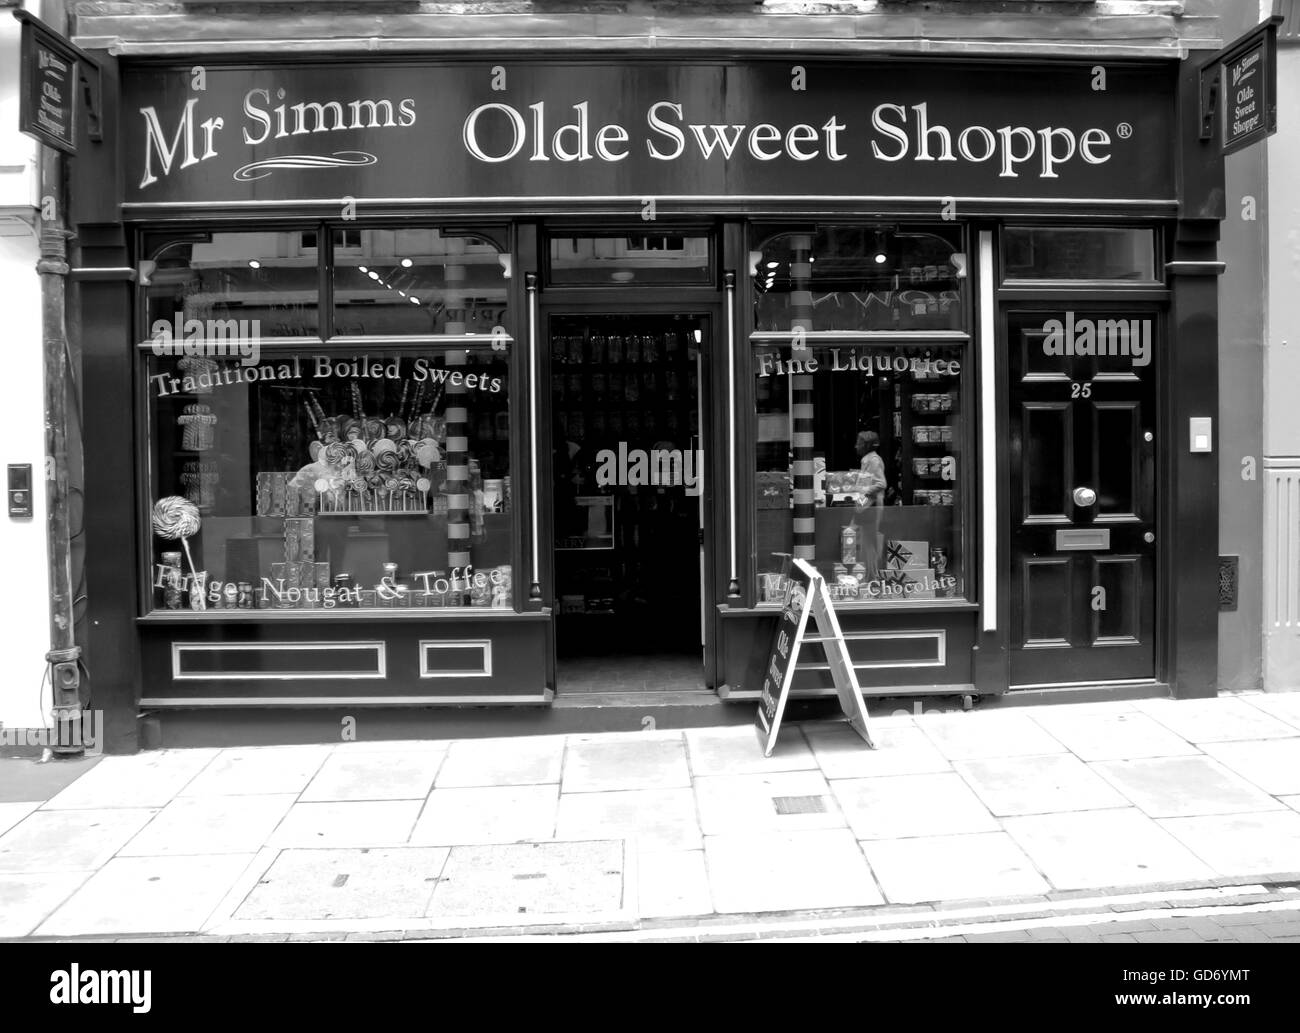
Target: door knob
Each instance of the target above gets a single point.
(1084, 496)
(1148, 537)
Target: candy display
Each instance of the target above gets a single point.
(177, 519)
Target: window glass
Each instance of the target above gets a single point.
(232, 285)
(860, 461)
(860, 278)
(1079, 253)
(324, 480)
(610, 259)
(418, 281)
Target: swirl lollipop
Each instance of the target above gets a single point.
(339, 453)
(177, 519)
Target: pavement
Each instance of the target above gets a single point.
(1172, 820)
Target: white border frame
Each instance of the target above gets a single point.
(378, 646)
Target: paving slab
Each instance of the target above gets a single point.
(23, 779)
(979, 736)
(936, 868)
(734, 751)
(1103, 849)
(373, 823)
(27, 900)
(1038, 785)
(261, 769)
(772, 802)
(1114, 736)
(66, 841)
(656, 819)
(530, 760)
(147, 895)
(318, 885)
(1224, 719)
(788, 871)
(899, 806)
(1273, 765)
(490, 814)
(1242, 844)
(378, 775)
(901, 749)
(1285, 706)
(1167, 787)
(530, 879)
(12, 813)
(673, 883)
(147, 779)
(625, 762)
(210, 825)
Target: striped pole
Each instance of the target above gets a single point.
(458, 500)
(801, 403)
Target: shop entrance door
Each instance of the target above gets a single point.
(627, 491)
(1083, 495)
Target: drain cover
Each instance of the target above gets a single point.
(799, 804)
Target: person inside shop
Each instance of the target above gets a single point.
(872, 486)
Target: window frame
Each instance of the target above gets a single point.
(758, 233)
(153, 240)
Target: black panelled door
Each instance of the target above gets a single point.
(1082, 462)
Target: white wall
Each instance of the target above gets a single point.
(24, 593)
(1281, 375)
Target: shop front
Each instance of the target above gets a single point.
(514, 385)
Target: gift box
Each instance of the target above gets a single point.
(910, 584)
(906, 555)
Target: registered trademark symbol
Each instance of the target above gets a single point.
(1125, 130)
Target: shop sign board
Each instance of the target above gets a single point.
(1241, 81)
(48, 86)
(546, 131)
(806, 599)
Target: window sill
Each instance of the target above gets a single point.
(429, 613)
(919, 606)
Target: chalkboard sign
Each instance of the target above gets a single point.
(47, 96)
(806, 597)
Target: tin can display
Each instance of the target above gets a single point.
(230, 595)
(199, 590)
(939, 560)
(849, 545)
(172, 581)
(244, 596)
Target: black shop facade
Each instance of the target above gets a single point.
(466, 397)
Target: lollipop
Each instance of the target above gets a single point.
(365, 463)
(177, 519)
(339, 453)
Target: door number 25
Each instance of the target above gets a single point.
(1080, 390)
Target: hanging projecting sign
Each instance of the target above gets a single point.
(806, 597)
(635, 130)
(48, 85)
(1239, 87)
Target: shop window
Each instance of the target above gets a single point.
(246, 284)
(861, 452)
(327, 480)
(419, 281)
(860, 278)
(609, 259)
(1079, 253)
